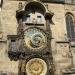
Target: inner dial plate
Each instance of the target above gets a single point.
(35, 39)
(36, 66)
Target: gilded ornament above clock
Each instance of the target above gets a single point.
(35, 39)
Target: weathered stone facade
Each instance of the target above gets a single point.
(62, 49)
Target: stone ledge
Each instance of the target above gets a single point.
(3, 41)
(62, 41)
(72, 44)
(69, 71)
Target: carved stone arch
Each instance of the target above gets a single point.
(37, 4)
(47, 14)
(72, 15)
(69, 13)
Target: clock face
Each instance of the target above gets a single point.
(36, 66)
(35, 39)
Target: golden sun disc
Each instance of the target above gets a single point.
(36, 66)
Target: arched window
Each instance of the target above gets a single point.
(70, 26)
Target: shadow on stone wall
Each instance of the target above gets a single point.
(7, 73)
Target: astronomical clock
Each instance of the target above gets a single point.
(33, 39)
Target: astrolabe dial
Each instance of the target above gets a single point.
(35, 39)
(36, 66)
